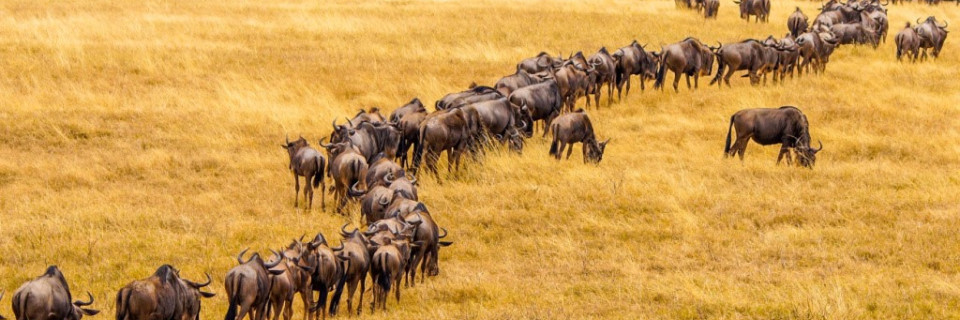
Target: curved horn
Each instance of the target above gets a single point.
(338, 248)
(81, 303)
(918, 21)
(945, 24)
(334, 124)
(288, 139)
(348, 121)
(820, 148)
(325, 145)
(412, 178)
(523, 124)
(388, 178)
(343, 230)
(383, 201)
(353, 192)
(199, 285)
(319, 239)
(444, 233)
(240, 256)
(275, 263)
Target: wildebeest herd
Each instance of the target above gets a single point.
(375, 159)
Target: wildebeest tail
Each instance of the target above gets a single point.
(123, 299)
(658, 84)
(556, 142)
(321, 166)
(20, 303)
(384, 279)
(335, 300)
(232, 310)
(726, 147)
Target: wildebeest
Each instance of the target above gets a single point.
(474, 92)
(403, 186)
(371, 115)
(48, 297)
(854, 33)
(541, 101)
(882, 24)
(908, 42)
(353, 251)
(815, 49)
(745, 55)
(306, 162)
(797, 23)
(248, 286)
(689, 57)
(373, 201)
(164, 295)
(932, 35)
(500, 121)
(387, 266)
(427, 255)
(453, 131)
(411, 107)
(409, 127)
(298, 266)
(606, 74)
(786, 125)
(347, 167)
(379, 168)
(542, 63)
(370, 138)
(631, 60)
(572, 81)
(326, 276)
(760, 9)
(711, 8)
(511, 83)
(789, 54)
(576, 127)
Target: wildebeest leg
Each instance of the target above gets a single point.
(363, 288)
(570, 151)
(726, 78)
(549, 120)
(351, 288)
(783, 150)
(397, 285)
(610, 91)
(687, 77)
(296, 194)
(308, 192)
(696, 81)
(596, 93)
(288, 309)
(306, 296)
(742, 144)
(676, 81)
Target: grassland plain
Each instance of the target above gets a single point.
(136, 133)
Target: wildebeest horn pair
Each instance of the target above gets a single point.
(338, 248)
(353, 192)
(191, 283)
(240, 256)
(275, 263)
(80, 303)
(389, 178)
(344, 232)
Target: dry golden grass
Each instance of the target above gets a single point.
(141, 133)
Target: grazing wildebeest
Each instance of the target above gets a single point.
(760, 9)
(164, 295)
(631, 60)
(411, 107)
(745, 55)
(542, 63)
(572, 81)
(932, 35)
(511, 83)
(387, 266)
(785, 125)
(797, 23)
(353, 251)
(541, 101)
(403, 186)
(908, 42)
(306, 162)
(426, 256)
(48, 297)
(453, 131)
(576, 127)
(248, 286)
(298, 266)
(606, 74)
(689, 57)
(500, 120)
(711, 8)
(347, 167)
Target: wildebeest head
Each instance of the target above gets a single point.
(593, 150)
(524, 117)
(807, 156)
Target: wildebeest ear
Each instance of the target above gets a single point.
(207, 294)
(445, 243)
(89, 312)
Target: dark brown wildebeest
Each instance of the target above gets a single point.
(327, 274)
(745, 55)
(380, 168)
(711, 8)
(854, 33)
(785, 125)
(426, 256)
(411, 107)
(932, 35)
(882, 24)
(542, 63)
(576, 127)
(403, 186)
(789, 53)
(511, 83)
(248, 286)
(606, 74)
(541, 101)
(353, 251)
(373, 201)
(298, 266)
(370, 138)
(477, 94)
(908, 42)
(307, 162)
(760, 9)
(689, 57)
(797, 23)
(448, 131)
(500, 121)
(347, 167)
(572, 81)
(48, 297)
(631, 60)
(815, 49)
(409, 127)
(387, 266)
(447, 102)
(164, 295)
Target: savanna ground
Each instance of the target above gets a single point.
(139, 133)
